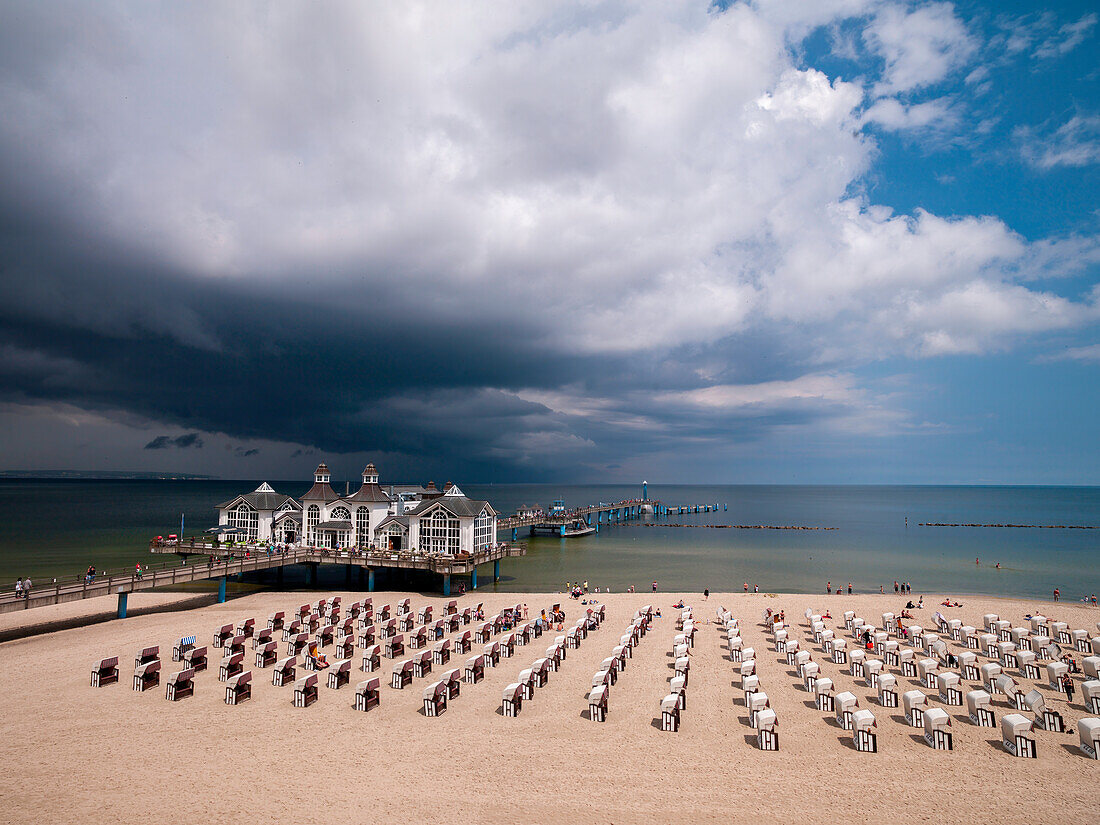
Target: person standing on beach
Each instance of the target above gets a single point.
(1067, 687)
(828, 588)
(654, 587)
(706, 593)
(27, 587)
(1056, 594)
(849, 588)
(756, 588)
(746, 587)
(896, 586)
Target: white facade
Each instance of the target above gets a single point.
(421, 520)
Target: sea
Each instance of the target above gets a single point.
(54, 528)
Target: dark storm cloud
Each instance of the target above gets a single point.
(163, 442)
(508, 266)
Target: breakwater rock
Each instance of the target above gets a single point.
(745, 526)
(1021, 526)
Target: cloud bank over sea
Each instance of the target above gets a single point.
(758, 241)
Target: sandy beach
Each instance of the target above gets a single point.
(76, 753)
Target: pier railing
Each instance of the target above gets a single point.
(128, 580)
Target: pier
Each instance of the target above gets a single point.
(121, 583)
(557, 522)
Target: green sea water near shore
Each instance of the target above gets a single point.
(55, 528)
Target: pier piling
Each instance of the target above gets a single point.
(122, 604)
(221, 590)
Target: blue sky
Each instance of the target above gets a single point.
(772, 241)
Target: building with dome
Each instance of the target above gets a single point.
(393, 517)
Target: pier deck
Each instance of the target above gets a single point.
(121, 583)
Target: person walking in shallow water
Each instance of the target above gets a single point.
(706, 593)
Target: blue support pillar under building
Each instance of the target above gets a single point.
(370, 579)
(561, 531)
(221, 590)
(313, 575)
(473, 579)
(122, 604)
(597, 527)
(496, 570)
(515, 534)
(588, 519)
(446, 584)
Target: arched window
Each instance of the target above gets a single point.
(247, 520)
(313, 518)
(440, 533)
(340, 514)
(483, 532)
(362, 526)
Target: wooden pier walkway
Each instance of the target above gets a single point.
(124, 582)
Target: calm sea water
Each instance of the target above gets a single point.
(52, 528)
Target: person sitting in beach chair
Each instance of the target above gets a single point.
(319, 660)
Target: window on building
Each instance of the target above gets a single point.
(247, 519)
(313, 518)
(483, 532)
(440, 533)
(362, 526)
(340, 514)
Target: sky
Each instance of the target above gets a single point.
(838, 241)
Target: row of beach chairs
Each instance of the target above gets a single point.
(936, 722)
(762, 716)
(610, 668)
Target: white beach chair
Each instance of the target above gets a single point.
(1045, 718)
(845, 704)
(823, 695)
(1007, 655)
(305, 691)
(1028, 665)
(989, 674)
(937, 733)
(840, 651)
(864, 734)
(367, 694)
(284, 671)
(1016, 736)
(340, 675)
(474, 670)
(968, 665)
(402, 675)
(1090, 695)
(512, 700)
(670, 712)
(949, 687)
(1089, 731)
(855, 662)
(970, 637)
(872, 670)
(928, 670)
(913, 704)
(372, 659)
(1007, 686)
(238, 688)
(767, 735)
(597, 703)
(810, 672)
(988, 642)
(1090, 665)
(749, 685)
(105, 672)
(979, 708)
(888, 690)
(757, 702)
(435, 699)
(180, 685)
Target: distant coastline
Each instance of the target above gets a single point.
(100, 475)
